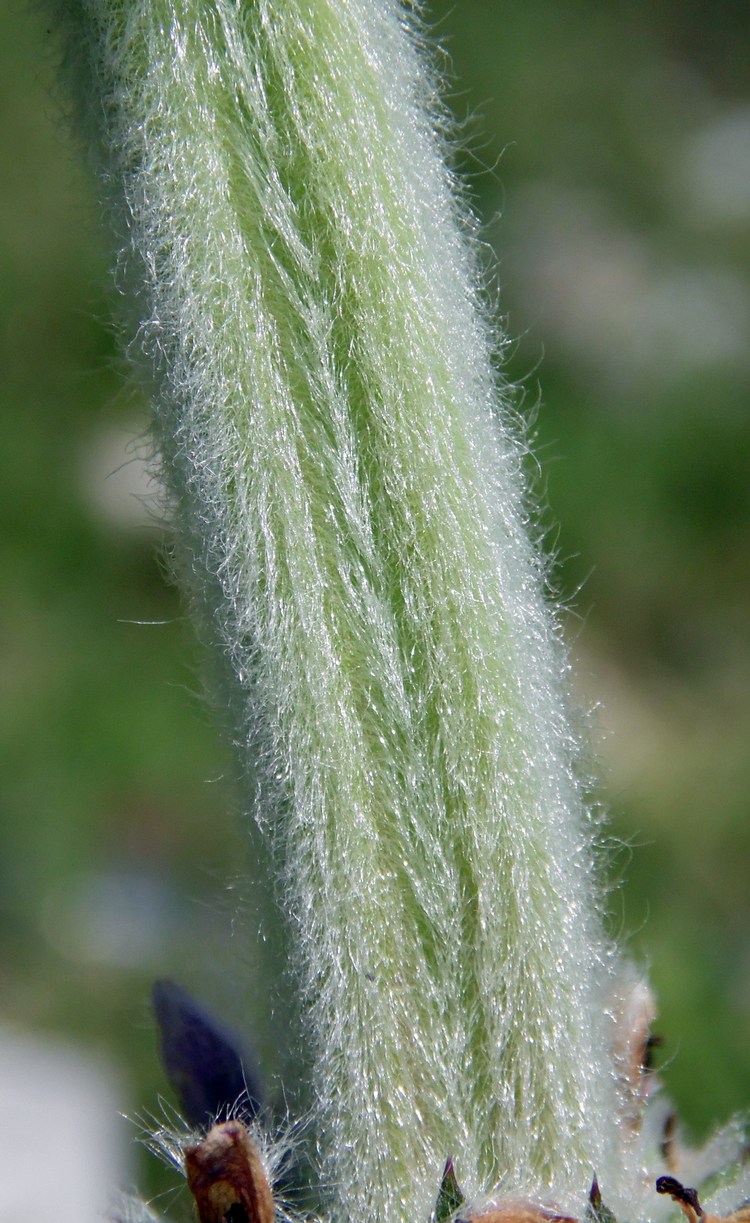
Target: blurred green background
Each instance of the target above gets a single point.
(608, 155)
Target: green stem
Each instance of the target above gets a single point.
(353, 537)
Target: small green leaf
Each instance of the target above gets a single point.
(596, 1211)
(449, 1197)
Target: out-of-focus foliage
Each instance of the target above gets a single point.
(609, 157)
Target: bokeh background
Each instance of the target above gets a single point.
(608, 156)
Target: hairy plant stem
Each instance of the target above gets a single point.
(353, 536)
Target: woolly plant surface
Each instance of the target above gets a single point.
(353, 536)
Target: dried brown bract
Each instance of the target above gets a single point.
(634, 1045)
(227, 1179)
(687, 1200)
(516, 1210)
